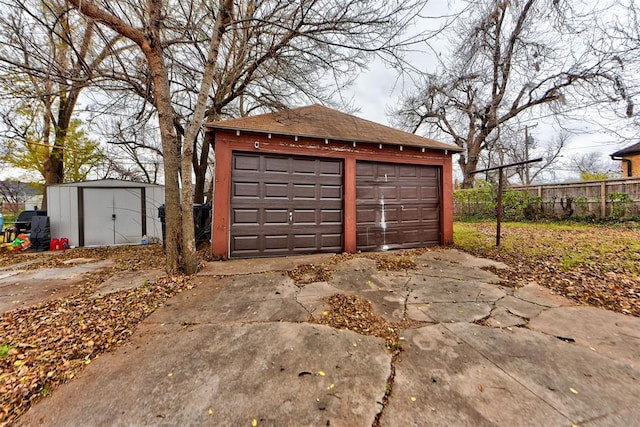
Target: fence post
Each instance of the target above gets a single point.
(603, 199)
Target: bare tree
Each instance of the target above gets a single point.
(592, 166)
(511, 59)
(518, 144)
(619, 32)
(159, 28)
(48, 58)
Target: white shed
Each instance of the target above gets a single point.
(105, 212)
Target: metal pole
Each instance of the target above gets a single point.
(499, 206)
(527, 181)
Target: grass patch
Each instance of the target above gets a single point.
(593, 264)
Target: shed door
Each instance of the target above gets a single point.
(112, 216)
(284, 205)
(397, 206)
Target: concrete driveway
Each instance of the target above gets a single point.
(240, 350)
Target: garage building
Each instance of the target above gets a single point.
(313, 179)
(105, 212)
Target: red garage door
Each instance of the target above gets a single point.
(398, 206)
(285, 205)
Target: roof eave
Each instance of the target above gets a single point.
(451, 148)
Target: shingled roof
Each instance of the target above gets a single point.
(318, 121)
(635, 148)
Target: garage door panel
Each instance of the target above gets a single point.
(366, 192)
(331, 216)
(386, 171)
(276, 191)
(297, 205)
(275, 216)
(410, 193)
(246, 189)
(303, 166)
(246, 163)
(276, 241)
(411, 214)
(245, 243)
(245, 216)
(330, 168)
(305, 216)
(332, 242)
(276, 164)
(304, 242)
(333, 192)
(304, 191)
(397, 206)
(408, 172)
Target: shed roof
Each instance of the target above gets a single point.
(632, 149)
(107, 183)
(318, 121)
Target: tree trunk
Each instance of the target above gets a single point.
(200, 169)
(171, 155)
(223, 17)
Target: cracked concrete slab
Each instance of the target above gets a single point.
(577, 382)
(24, 288)
(239, 347)
(388, 304)
(417, 313)
(252, 266)
(452, 312)
(126, 280)
(537, 294)
(500, 317)
(426, 289)
(461, 259)
(519, 307)
(267, 297)
(444, 381)
(443, 268)
(312, 296)
(274, 373)
(620, 339)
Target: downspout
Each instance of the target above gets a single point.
(627, 161)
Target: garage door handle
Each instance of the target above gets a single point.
(290, 217)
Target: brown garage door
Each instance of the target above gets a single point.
(283, 205)
(398, 206)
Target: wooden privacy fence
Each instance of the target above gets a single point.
(613, 198)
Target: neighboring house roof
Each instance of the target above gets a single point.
(632, 149)
(317, 121)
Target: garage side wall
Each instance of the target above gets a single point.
(63, 212)
(228, 142)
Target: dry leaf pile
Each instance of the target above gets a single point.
(48, 344)
(45, 345)
(134, 257)
(356, 314)
(310, 273)
(593, 265)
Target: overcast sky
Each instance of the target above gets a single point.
(379, 88)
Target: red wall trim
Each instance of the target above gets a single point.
(226, 142)
(349, 230)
